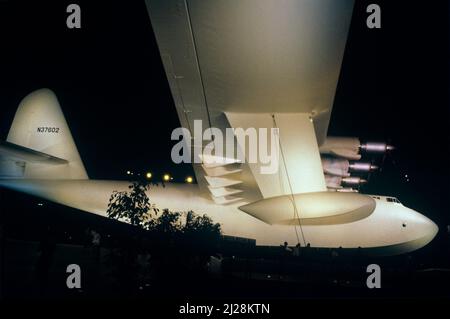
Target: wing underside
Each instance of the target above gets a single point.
(242, 64)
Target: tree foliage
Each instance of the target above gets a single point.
(200, 226)
(135, 208)
(167, 223)
(132, 206)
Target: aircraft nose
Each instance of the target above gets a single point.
(422, 230)
(430, 229)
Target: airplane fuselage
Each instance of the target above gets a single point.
(390, 229)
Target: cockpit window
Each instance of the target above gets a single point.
(393, 200)
(388, 199)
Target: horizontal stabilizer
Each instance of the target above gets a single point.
(20, 153)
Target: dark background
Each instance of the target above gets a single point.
(112, 87)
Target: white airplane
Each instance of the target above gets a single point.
(252, 63)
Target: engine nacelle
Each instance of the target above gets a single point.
(346, 147)
(376, 147)
(342, 167)
(362, 167)
(333, 182)
(350, 147)
(353, 180)
(336, 166)
(336, 182)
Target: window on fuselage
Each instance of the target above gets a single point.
(393, 200)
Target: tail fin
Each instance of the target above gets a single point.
(39, 125)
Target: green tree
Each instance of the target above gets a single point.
(132, 206)
(167, 223)
(202, 226)
(177, 239)
(135, 208)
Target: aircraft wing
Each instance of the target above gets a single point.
(247, 63)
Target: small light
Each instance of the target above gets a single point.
(189, 179)
(406, 175)
(128, 172)
(40, 204)
(166, 177)
(148, 175)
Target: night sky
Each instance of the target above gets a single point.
(112, 87)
